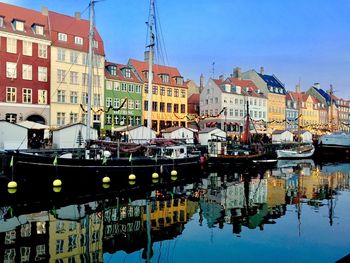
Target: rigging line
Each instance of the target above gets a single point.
(161, 42)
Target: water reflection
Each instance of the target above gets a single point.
(132, 222)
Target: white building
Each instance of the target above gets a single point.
(179, 133)
(137, 134)
(13, 136)
(210, 134)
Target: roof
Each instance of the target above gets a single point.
(120, 76)
(280, 131)
(272, 81)
(72, 26)
(33, 125)
(207, 130)
(248, 87)
(194, 98)
(218, 81)
(29, 17)
(172, 129)
(142, 66)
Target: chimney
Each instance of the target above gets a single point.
(77, 15)
(147, 56)
(317, 85)
(201, 83)
(297, 88)
(44, 11)
(221, 77)
(262, 70)
(237, 73)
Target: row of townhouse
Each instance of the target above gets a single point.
(44, 76)
(224, 103)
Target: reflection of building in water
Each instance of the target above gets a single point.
(25, 238)
(77, 237)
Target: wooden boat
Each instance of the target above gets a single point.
(298, 151)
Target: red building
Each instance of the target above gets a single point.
(24, 64)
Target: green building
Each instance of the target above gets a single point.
(123, 98)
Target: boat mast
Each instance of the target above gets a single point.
(89, 91)
(150, 62)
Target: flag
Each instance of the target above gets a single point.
(55, 161)
(11, 163)
(104, 160)
(130, 157)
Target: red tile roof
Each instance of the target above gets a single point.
(72, 26)
(120, 75)
(194, 98)
(218, 81)
(142, 66)
(29, 17)
(244, 83)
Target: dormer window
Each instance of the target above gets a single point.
(112, 70)
(281, 90)
(95, 45)
(179, 81)
(18, 24)
(62, 37)
(276, 90)
(145, 73)
(127, 72)
(38, 29)
(271, 89)
(78, 41)
(164, 78)
(1, 21)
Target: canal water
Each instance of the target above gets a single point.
(291, 211)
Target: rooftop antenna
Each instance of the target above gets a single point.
(213, 69)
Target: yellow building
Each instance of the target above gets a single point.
(69, 72)
(169, 95)
(72, 240)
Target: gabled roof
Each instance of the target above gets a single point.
(194, 98)
(120, 76)
(72, 26)
(218, 81)
(141, 67)
(29, 17)
(248, 88)
(172, 129)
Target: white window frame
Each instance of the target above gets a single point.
(78, 40)
(42, 51)
(27, 48)
(11, 94)
(11, 70)
(11, 45)
(27, 95)
(42, 96)
(62, 37)
(42, 74)
(19, 25)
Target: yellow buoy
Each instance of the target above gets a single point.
(173, 173)
(106, 180)
(106, 185)
(155, 175)
(173, 177)
(155, 180)
(12, 184)
(57, 189)
(57, 183)
(12, 190)
(132, 182)
(132, 177)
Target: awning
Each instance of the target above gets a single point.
(33, 125)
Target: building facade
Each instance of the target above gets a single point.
(24, 64)
(169, 95)
(123, 97)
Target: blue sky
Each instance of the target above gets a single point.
(306, 40)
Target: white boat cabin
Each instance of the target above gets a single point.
(13, 136)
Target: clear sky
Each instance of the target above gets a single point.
(296, 40)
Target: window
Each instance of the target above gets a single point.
(42, 96)
(42, 74)
(137, 104)
(109, 84)
(73, 77)
(84, 79)
(95, 44)
(61, 96)
(11, 46)
(1, 21)
(39, 30)
(145, 105)
(162, 91)
(27, 96)
(116, 86)
(85, 60)
(154, 106)
(42, 51)
(130, 88)
(179, 81)
(183, 93)
(164, 78)
(176, 108)
(162, 107)
(27, 48)
(97, 99)
(27, 72)
(74, 97)
(11, 70)
(97, 82)
(61, 75)
(116, 103)
(128, 73)
(169, 107)
(124, 87)
(61, 116)
(74, 57)
(84, 98)
(11, 94)
(146, 89)
(61, 54)
(183, 108)
(169, 92)
(78, 40)
(131, 104)
(113, 70)
(62, 37)
(108, 102)
(176, 92)
(155, 90)
(19, 25)
(73, 117)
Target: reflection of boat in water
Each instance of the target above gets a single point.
(294, 163)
